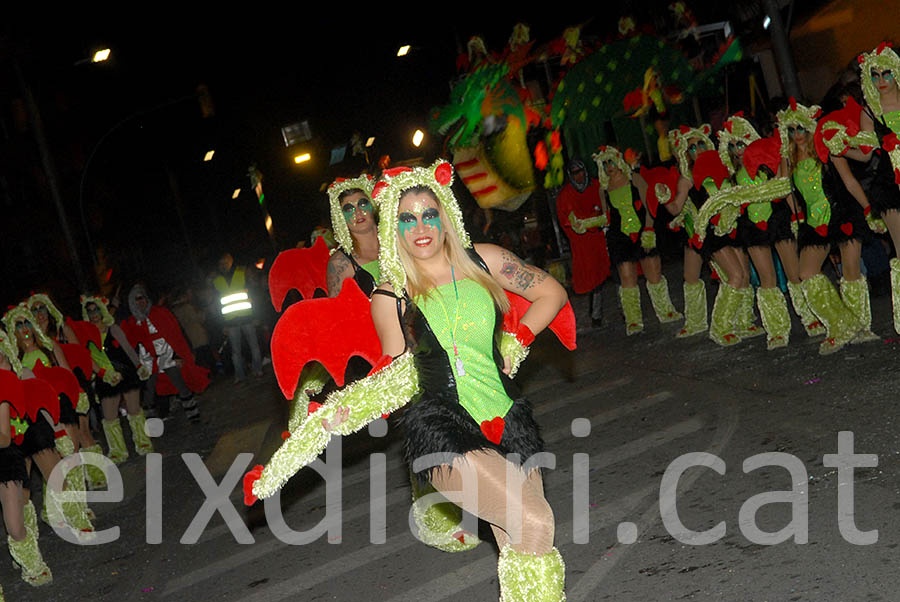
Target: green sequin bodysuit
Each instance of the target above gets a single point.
(757, 212)
(373, 269)
(892, 120)
(479, 390)
(621, 200)
(808, 178)
(31, 358)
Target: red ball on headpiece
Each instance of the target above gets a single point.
(378, 188)
(443, 173)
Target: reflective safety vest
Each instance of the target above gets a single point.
(233, 296)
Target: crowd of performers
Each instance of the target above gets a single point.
(819, 184)
(53, 371)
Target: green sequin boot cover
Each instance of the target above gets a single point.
(694, 309)
(531, 577)
(895, 292)
(723, 322)
(855, 294)
(775, 317)
(28, 556)
(96, 479)
(811, 323)
(31, 523)
(115, 440)
(439, 523)
(747, 328)
(74, 478)
(662, 303)
(839, 321)
(142, 443)
(630, 298)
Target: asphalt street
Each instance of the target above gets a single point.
(649, 400)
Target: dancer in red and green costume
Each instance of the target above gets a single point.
(880, 80)
(833, 204)
(631, 239)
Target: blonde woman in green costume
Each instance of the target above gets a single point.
(631, 239)
(442, 303)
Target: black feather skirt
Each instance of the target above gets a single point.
(12, 465)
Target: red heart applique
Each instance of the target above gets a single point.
(762, 225)
(695, 241)
(732, 234)
(634, 236)
(714, 220)
(313, 407)
(822, 230)
(638, 204)
(493, 429)
(847, 228)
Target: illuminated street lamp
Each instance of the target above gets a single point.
(302, 158)
(100, 56)
(237, 192)
(209, 155)
(417, 138)
(403, 51)
(370, 142)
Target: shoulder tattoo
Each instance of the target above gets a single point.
(338, 265)
(519, 273)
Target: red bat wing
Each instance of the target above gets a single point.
(563, 325)
(764, 151)
(12, 391)
(78, 357)
(327, 330)
(86, 332)
(848, 117)
(709, 165)
(301, 269)
(39, 394)
(60, 379)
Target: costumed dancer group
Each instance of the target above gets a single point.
(51, 370)
(793, 193)
(451, 322)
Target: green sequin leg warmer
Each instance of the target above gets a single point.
(630, 298)
(662, 303)
(811, 323)
(28, 556)
(115, 439)
(855, 294)
(96, 479)
(775, 317)
(694, 309)
(142, 443)
(839, 321)
(747, 327)
(440, 524)
(723, 322)
(531, 577)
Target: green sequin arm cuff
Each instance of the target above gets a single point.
(84, 404)
(369, 398)
(728, 202)
(313, 378)
(598, 221)
(511, 348)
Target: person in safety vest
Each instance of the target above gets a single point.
(237, 313)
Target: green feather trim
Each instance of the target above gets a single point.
(887, 59)
(313, 378)
(438, 523)
(368, 399)
(511, 348)
(728, 202)
(46, 302)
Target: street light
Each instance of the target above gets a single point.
(370, 142)
(100, 56)
(237, 192)
(417, 138)
(209, 155)
(302, 158)
(403, 51)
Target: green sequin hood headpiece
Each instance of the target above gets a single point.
(338, 223)
(102, 303)
(8, 349)
(678, 141)
(796, 114)
(735, 128)
(885, 59)
(42, 299)
(609, 153)
(386, 194)
(21, 311)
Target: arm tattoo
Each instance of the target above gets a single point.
(336, 273)
(520, 273)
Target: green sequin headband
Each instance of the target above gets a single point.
(678, 141)
(796, 114)
(338, 223)
(21, 311)
(736, 128)
(609, 153)
(386, 194)
(41, 298)
(101, 303)
(884, 58)
(8, 349)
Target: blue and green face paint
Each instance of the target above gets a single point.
(349, 209)
(407, 220)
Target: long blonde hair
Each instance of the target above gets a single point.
(419, 284)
